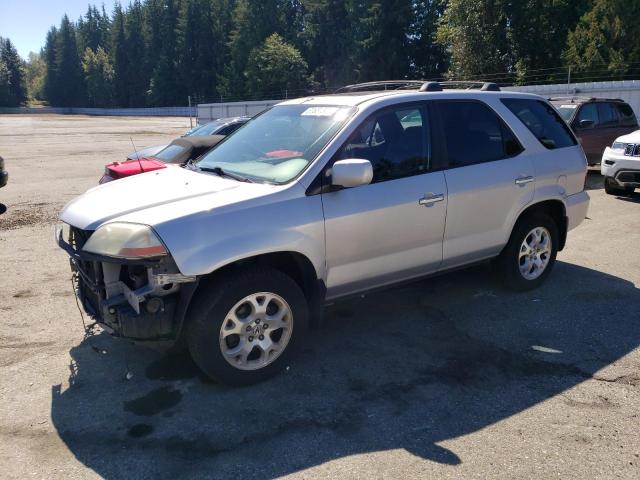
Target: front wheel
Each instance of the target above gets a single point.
(612, 188)
(530, 254)
(245, 327)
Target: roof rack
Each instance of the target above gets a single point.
(571, 98)
(382, 85)
(471, 85)
(420, 85)
(584, 98)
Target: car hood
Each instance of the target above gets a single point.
(155, 197)
(633, 137)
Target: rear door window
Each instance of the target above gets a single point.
(625, 112)
(588, 112)
(473, 133)
(607, 115)
(543, 121)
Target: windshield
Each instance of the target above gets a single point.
(168, 153)
(277, 145)
(566, 111)
(202, 130)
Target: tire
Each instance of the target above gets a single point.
(510, 260)
(612, 188)
(235, 303)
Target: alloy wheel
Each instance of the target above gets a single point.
(535, 253)
(256, 331)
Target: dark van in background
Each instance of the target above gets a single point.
(597, 122)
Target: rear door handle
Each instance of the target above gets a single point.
(524, 180)
(430, 198)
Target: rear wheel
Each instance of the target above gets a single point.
(612, 188)
(530, 254)
(245, 328)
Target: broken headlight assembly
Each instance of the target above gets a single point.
(125, 240)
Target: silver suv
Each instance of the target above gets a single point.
(319, 198)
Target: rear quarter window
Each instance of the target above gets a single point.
(543, 121)
(625, 112)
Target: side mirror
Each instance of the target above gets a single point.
(586, 123)
(351, 173)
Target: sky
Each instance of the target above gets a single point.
(26, 22)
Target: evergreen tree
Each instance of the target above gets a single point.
(120, 59)
(99, 77)
(36, 70)
(474, 32)
(384, 50)
(138, 75)
(292, 15)
(12, 76)
(4, 85)
(428, 58)
(164, 88)
(606, 40)
(69, 84)
(276, 69)
(199, 43)
(93, 29)
(537, 32)
(161, 51)
(253, 22)
(330, 43)
(50, 52)
(153, 30)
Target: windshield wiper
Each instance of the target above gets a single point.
(224, 173)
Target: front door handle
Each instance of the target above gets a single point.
(430, 198)
(522, 181)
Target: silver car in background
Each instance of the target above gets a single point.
(221, 126)
(319, 198)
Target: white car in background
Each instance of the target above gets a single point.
(620, 165)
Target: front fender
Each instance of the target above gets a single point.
(207, 241)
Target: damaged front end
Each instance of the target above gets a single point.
(141, 297)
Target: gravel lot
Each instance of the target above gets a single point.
(451, 377)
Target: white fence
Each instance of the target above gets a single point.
(120, 112)
(627, 90)
(213, 111)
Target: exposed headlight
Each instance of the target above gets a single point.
(618, 147)
(62, 230)
(125, 240)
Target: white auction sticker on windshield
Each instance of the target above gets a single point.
(319, 111)
(568, 106)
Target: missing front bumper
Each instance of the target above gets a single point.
(138, 300)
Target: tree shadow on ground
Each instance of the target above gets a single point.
(408, 368)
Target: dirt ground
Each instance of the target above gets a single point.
(451, 377)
